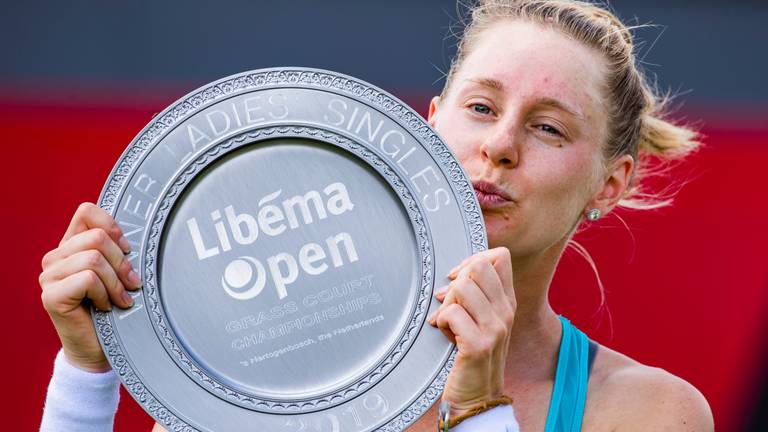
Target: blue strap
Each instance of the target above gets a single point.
(569, 393)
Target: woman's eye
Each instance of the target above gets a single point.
(549, 130)
(480, 109)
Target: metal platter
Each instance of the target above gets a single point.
(289, 226)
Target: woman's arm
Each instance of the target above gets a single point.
(90, 264)
(79, 400)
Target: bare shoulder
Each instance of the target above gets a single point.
(625, 395)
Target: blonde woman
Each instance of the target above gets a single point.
(546, 109)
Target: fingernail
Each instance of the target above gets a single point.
(454, 270)
(442, 290)
(134, 279)
(124, 245)
(128, 299)
(431, 319)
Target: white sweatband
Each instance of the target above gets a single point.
(78, 400)
(497, 419)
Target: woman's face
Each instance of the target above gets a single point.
(525, 112)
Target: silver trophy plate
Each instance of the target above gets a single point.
(289, 226)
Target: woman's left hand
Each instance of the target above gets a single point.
(477, 313)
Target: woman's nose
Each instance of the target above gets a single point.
(500, 147)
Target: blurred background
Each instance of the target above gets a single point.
(687, 286)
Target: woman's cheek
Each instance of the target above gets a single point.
(462, 153)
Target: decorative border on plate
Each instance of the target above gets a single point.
(176, 350)
(276, 78)
(131, 381)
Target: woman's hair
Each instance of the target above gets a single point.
(637, 123)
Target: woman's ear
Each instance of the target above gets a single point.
(433, 110)
(614, 185)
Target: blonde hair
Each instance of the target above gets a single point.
(638, 124)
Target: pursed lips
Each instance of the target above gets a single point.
(491, 190)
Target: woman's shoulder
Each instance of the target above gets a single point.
(627, 395)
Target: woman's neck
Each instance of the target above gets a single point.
(535, 339)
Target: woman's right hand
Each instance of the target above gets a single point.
(91, 263)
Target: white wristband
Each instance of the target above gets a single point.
(78, 400)
(497, 419)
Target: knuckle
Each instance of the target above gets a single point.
(115, 229)
(51, 303)
(503, 252)
(42, 280)
(465, 275)
(91, 238)
(48, 303)
(124, 266)
(479, 266)
(451, 310)
(100, 237)
(93, 258)
(44, 299)
(473, 266)
(84, 209)
(47, 258)
(499, 332)
(90, 277)
(459, 290)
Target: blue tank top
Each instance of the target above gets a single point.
(569, 393)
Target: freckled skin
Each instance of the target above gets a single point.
(553, 179)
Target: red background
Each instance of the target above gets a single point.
(685, 285)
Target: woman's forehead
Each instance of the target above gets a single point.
(530, 58)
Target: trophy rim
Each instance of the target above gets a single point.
(175, 189)
(275, 78)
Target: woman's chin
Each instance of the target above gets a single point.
(497, 235)
(505, 227)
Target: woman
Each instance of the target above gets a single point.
(548, 114)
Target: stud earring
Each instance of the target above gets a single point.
(594, 214)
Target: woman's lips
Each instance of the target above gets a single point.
(489, 195)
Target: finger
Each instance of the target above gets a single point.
(448, 334)
(469, 338)
(441, 292)
(66, 295)
(500, 258)
(94, 261)
(484, 274)
(497, 318)
(465, 292)
(97, 239)
(454, 271)
(494, 327)
(88, 216)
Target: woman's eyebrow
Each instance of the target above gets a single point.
(554, 103)
(491, 83)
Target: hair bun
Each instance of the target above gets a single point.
(662, 138)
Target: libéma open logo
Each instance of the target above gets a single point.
(245, 277)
